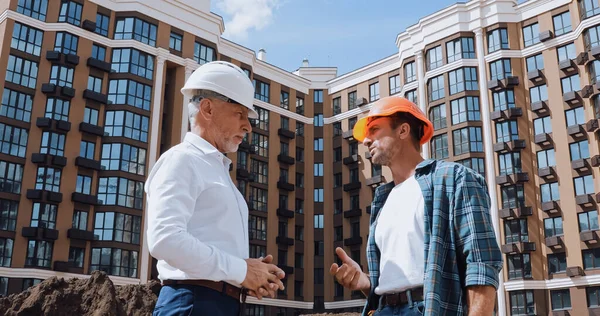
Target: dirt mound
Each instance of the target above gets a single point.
(87, 297)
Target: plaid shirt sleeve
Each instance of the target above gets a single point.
(476, 240)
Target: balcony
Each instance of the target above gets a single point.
(511, 113)
(584, 199)
(591, 126)
(61, 266)
(91, 129)
(88, 163)
(513, 145)
(48, 123)
(582, 58)
(375, 181)
(242, 173)
(285, 241)
(546, 35)
(535, 76)
(567, 65)
(554, 241)
(79, 234)
(587, 91)
(355, 185)
(547, 173)
(589, 236)
(595, 161)
(514, 178)
(519, 247)
(287, 269)
(571, 97)
(39, 233)
(84, 198)
(286, 133)
(353, 241)
(504, 83)
(284, 212)
(550, 207)
(284, 185)
(350, 159)
(95, 96)
(348, 135)
(518, 212)
(543, 139)
(283, 158)
(595, 52)
(539, 107)
(99, 64)
(576, 130)
(72, 59)
(575, 271)
(580, 165)
(33, 194)
(52, 55)
(89, 25)
(357, 212)
(49, 160)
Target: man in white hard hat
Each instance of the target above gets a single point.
(197, 218)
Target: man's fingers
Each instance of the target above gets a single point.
(349, 276)
(267, 259)
(355, 280)
(273, 279)
(334, 268)
(342, 255)
(341, 273)
(275, 270)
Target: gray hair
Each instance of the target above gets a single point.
(194, 104)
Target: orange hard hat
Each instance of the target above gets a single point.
(388, 106)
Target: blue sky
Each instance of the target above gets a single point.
(347, 34)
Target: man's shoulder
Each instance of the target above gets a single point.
(447, 168)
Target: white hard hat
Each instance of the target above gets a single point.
(225, 79)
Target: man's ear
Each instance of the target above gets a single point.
(403, 131)
(206, 108)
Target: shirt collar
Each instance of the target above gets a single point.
(205, 147)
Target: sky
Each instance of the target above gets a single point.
(347, 34)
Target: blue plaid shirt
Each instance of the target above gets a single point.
(460, 243)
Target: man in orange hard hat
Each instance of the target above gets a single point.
(432, 249)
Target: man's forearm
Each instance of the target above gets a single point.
(481, 300)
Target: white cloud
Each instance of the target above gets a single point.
(247, 14)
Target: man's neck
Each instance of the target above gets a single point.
(404, 167)
(202, 132)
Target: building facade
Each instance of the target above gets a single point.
(90, 99)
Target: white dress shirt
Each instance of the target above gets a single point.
(400, 236)
(197, 218)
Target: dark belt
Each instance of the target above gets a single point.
(401, 298)
(222, 287)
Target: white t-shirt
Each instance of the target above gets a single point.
(399, 234)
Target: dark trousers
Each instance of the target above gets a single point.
(186, 300)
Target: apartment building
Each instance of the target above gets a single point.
(90, 99)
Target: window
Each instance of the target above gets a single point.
(579, 150)
(6, 248)
(16, 105)
(21, 71)
(76, 256)
(513, 196)
(394, 84)
(503, 100)
(257, 251)
(126, 91)
(258, 228)
(318, 120)
(553, 227)
(175, 41)
(27, 39)
(319, 275)
(48, 179)
(137, 29)
(258, 199)
(318, 170)
(531, 34)
(353, 175)
(542, 125)
(102, 24)
(337, 129)
(90, 116)
(110, 226)
(411, 96)
(66, 43)
(263, 119)
(94, 84)
(519, 266)
(434, 57)
(410, 72)
(337, 105)
(87, 149)
(507, 131)
(594, 69)
(521, 303)
(299, 231)
(61, 76)
(13, 140)
(124, 157)
(588, 8)
(299, 154)
(557, 263)
(374, 92)
(80, 220)
(593, 296)
(566, 52)
(98, 52)
(39, 254)
(261, 143)
(497, 40)
(352, 100)
(44, 215)
(121, 191)
(8, 214)
(129, 60)
(298, 285)
(575, 116)
(203, 54)
(465, 109)
(355, 202)
(300, 180)
(300, 106)
(337, 180)
(477, 164)
(570, 83)
(515, 231)
(284, 149)
(439, 146)
(561, 299)
(53, 144)
(114, 261)
(318, 195)
(500, 69)
(538, 93)
(535, 62)
(299, 206)
(299, 128)
(84, 184)
(562, 23)
(355, 232)
(284, 100)
(318, 96)
(509, 163)
(461, 48)
(546, 158)
(70, 12)
(468, 139)
(127, 124)
(351, 122)
(260, 169)
(435, 87)
(584, 185)
(438, 116)
(33, 8)
(11, 175)
(463, 79)
(588, 221)
(549, 192)
(318, 221)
